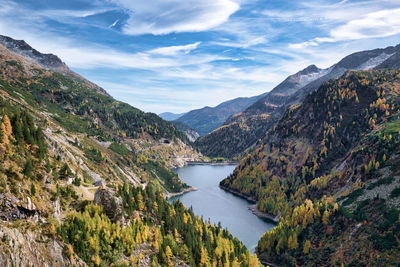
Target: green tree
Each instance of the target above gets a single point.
(33, 189)
(28, 167)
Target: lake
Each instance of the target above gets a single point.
(213, 203)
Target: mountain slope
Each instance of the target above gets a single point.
(250, 125)
(206, 119)
(83, 179)
(243, 129)
(92, 128)
(329, 169)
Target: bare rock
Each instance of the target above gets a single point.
(21, 248)
(111, 204)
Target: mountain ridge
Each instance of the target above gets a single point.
(329, 169)
(268, 109)
(206, 119)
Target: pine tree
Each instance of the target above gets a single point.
(184, 253)
(28, 167)
(33, 189)
(17, 130)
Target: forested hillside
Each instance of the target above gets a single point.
(242, 130)
(330, 171)
(141, 227)
(83, 180)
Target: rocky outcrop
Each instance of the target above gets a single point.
(111, 204)
(11, 210)
(25, 247)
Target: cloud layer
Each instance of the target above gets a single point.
(163, 17)
(193, 53)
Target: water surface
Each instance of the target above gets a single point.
(215, 204)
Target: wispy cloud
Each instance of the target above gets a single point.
(183, 52)
(164, 17)
(174, 50)
(354, 21)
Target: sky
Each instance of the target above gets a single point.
(179, 55)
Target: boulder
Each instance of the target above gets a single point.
(111, 204)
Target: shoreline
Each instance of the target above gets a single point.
(186, 190)
(248, 198)
(253, 208)
(263, 215)
(211, 163)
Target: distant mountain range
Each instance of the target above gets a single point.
(243, 129)
(169, 116)
(206, 119)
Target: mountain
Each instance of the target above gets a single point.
(190, 133)
(45, 61)
(329, 171)
(83, 177)
(169, 116)
(206, 119)
(242, 130)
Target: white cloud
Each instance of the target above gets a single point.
(164, 17)
(174, 50)
(373, 25)
(355, 22)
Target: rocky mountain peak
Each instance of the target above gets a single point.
(20, 47)
(310, 69)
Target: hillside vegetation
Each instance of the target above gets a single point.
(330, 171)
(83, 180)
(242, 130)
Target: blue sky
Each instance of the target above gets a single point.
(178, 55)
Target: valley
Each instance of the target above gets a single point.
(306, 174)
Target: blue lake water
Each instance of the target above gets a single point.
(213, 203)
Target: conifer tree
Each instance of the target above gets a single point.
(28, 167)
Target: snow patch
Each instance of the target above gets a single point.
(375, 61)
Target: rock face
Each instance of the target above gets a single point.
(20, 47)
(106, 198)
(11, 210)
(21, 248)
(46, 61)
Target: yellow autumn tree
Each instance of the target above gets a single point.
(169, 256)
(3, 134)
(307, 246)
(7, 124)
(204, 261)
(71, 252)
(292, 241)
(253, 261)
(325, 217)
